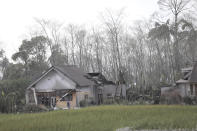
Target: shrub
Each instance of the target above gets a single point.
(31, 109)
(83, 103)
(108, 101)
(187, 100)
(12, 94)
(156, 100)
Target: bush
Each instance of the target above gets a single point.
(31, 109)
(187, 100)
(87, 102)
(83, 103)
(156, 100)
(12, 94)
(108, 101)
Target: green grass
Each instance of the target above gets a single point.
(103, 118)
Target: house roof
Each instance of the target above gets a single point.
(72, 72)
(99, 78)
(193, 77)
(76, 74)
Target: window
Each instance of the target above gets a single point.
(86, 96)
(67, 98)
(191, 89)
(53, 101)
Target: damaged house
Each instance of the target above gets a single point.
(66, 86)
(187, 86)
(107, 90)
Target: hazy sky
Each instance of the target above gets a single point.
(18, 15)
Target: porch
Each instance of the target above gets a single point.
(59, 98)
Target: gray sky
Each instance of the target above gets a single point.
(18, 15)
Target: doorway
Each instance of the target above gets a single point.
(100, 99)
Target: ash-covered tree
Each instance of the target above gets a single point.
(4, 62)
(58, 58)
(32, 55)
(176, 7)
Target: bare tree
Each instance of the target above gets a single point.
(176, 7)
(52, 30)
(113, 26)
(71, 29)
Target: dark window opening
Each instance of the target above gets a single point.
(86, 96)
(191, 89)
(67, 98)
(53, 101)
(45, 98)
(100, 98)
(108, 95)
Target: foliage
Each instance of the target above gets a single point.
(83, 103)
(31, 109)
(12, 94)
(109, 101)
(87, 102)
(187, 100)
(33, 49)
(13, 72)
(32, 56)
(4, 62)
(104, 118)
(57, 56)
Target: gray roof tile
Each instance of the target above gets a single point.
(76, 74)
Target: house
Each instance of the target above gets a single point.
(187, 86)
(66, 86)
(108, 90)
(61, 85)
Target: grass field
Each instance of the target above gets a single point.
(103, 118)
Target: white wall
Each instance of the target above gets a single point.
(183, 89)
(54, 80)
(84, 91)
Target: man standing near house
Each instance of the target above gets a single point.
(68, 104)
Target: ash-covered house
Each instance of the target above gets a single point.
(187, 86)
(61, 85)
(107, 90)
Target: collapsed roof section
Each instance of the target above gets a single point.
(98, 78)
(190, 75)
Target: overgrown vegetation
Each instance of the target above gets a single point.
(12, 95)
(103, 118)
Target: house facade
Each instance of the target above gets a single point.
(187, 86)
(66, 86)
